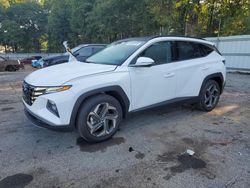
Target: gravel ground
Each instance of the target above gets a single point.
(146, 152)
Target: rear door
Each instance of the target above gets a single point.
(191, 65)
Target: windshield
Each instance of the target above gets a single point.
(116, 53)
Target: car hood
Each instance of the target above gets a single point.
(59, 74)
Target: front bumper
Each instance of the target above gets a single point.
(40, 115)
(42, 123)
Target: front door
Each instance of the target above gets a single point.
(155, 84)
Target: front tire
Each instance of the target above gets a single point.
(10, 68)
(209, 96)
(99, 118)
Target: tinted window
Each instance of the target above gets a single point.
(86, 51)
(97, 49)
(207, 50)
(187, 50)
(160, 52)
(38, 57)
(198, 51)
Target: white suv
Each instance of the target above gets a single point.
(127, 76)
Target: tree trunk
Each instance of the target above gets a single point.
(211, 17)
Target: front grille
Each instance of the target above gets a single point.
(30, 93)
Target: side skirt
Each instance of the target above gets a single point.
(172, 102)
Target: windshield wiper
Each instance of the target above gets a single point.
(88, 61)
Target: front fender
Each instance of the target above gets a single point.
(116, 91)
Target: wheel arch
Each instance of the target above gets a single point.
(114, 91)
(218, 77)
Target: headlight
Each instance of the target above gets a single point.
(57, 89)
(47, 90)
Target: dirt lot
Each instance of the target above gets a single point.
(146, 152)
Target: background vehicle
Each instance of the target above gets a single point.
(28, 61)
(127, 76)
(37, 63)
(9, 65)
(81, 52)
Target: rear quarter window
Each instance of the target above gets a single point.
(206, 49)
(185, 50)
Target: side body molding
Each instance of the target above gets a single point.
(115, 91)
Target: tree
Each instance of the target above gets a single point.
(58, 24)
(116, 19)
(4, 3)
(45, 24)
(27, 21)
(161, 13)
(11, 34)
(234, 16)
(79, 21)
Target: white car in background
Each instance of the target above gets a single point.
(127, 76)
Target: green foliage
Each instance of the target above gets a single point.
(11, 34)
(22, 26)
(79, 21)
(42, 25)
(115, 19)
(58, 24)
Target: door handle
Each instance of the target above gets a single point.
(168, 75)
(205, 68)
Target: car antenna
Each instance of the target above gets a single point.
(72, 58)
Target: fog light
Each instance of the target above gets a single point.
(51, 106)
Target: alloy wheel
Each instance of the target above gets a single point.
(211, 96)
(102, 120)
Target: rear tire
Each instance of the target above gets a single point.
(99, 118)
(209, 96)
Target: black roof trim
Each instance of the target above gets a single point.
(135, 39)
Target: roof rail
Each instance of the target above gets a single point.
(179, 36)
(147, 38)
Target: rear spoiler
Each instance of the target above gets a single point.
(216, 49)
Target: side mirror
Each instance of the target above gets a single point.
(144, 62)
